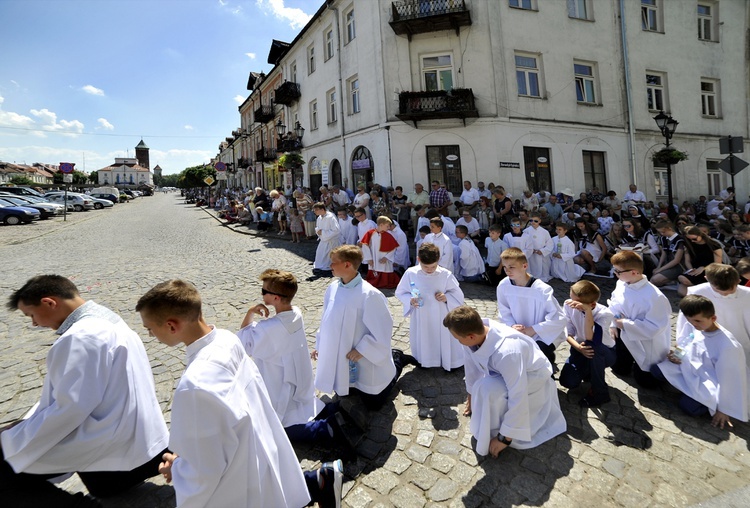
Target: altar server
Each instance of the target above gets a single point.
(327, 229)
(541, 247)
(442, 241)
(512, 396)
(379, 251)
(563, 266)
(97, 415)
(401, 259)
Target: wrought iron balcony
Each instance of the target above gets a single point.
(264, 113)
(457, 103)
(265, 155)
(287, 94)
(244, 163)
(422, 16)
(288, 145)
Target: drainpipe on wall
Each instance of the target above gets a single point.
(342, 112)
(628, 96)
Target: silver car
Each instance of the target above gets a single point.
(80, 202)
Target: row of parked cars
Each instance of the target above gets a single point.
(23, 204)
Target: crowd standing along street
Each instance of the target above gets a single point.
(638, 449)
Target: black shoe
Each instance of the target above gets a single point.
(331, 474)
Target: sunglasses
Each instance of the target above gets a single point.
(265, 292)
(535, 220)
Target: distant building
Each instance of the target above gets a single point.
(141, 153)
(129, 172)
(157, 172)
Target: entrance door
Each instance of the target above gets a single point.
(538, 168)
(316, 182)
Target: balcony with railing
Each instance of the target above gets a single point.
(244, 163)
(437, 104)
(288, 145)
(264, 113)
(265, 155)
(409, 17)
(287, 94)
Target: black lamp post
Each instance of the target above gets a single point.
(280, 129)
(667, 125)
(299, 131)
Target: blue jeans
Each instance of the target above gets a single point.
(579, 368)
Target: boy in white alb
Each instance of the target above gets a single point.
(401, 261)
(529, 306)
(641, 327)
(708, 367)
(347, 230)
(541, 245)
(439, 292)
(363, 224)
(356, 326)
(229, 446)
(378, 252)
(562, 265)
(97, 414)
(512, 396)
(327, 229)
(442, 242)
(468, 264)
(516, 238)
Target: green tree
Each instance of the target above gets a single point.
(94, 177)
(193, 176)
(21, 180)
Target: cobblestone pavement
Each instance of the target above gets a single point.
(637, 450)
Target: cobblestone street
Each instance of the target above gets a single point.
(638, 450)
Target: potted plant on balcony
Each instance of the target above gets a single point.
(669, 155)
(291, 160)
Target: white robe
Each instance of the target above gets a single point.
(646, 313)
(421, 222)
(469, 262)
(494, 250)
(445, 245)
(713, 372)
(431, 343)
(539, 263)
(376, 260)
(347, 232)
(522, 242)
(534, 306)
(328, 227)
(232, 450)
(98, 409)
(402, 252)
(363, 227)
(279, 348)
(564, 268)
(355, 316)
(512, 390)
(449, 228)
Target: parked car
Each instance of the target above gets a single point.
(101, 203)
(46, 210)
(22, 191)
(12, 215)
(105, 195)
(80, 202)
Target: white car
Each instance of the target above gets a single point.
(80, 202)
(100, 203)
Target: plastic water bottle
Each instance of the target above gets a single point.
(680, 351)
(353, 372)
(416, 294)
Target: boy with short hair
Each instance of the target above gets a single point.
(468, 265)
(708, 367)
(562, 265)
(439, 292)
(442, 241)
(355, 328)
(229, 446)
(512, 397)
(347, 230)
(672, 252)
(421, 221)
(327, 229)
(421, 235)
(592, 349)
(401, 259)
(541, 247)
(528, 304)
(516, 238)
(378, 252)
(495, 247)
(641, 328)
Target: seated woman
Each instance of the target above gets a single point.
(590, 244)
(700, 251)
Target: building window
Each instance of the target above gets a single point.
(293, 72)
(354, 95)
(713, 174)
(710, 97)
(351, 31)
(661, 182)
(523, 4)
(313, 115)
(585, 83)
(311, 59)
(649, 15)
(437, 72)
(655, 92)
(705, 22)
(331, 95)
(578, 9)
(594, 170)
(527, 76)
(444, 165)
(329, 44)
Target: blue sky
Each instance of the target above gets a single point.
(82, 80)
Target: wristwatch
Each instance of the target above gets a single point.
(503, 439)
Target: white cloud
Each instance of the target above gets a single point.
(90, 89)
(251, 56)
(48, 122)
(2, 99)
(188, 127)
(104, 124)
(239, 99)
(297, 18)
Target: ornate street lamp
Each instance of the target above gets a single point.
(667, 125)
(280, 129)
(299, 131)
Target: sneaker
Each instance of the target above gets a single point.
(330, 477)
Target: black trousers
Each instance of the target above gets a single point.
(374, 401)
(33, 490)
(625, 365)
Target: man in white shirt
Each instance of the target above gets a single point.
(634, 195)
(97, 414)
(340, 198)
(469, 196)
